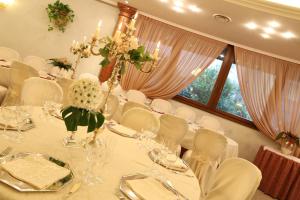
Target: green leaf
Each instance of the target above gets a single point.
(141, 49)
(83, 118)
(105, 62)
(92, 122)
(279, 135)
(100, 120)
(104, 52)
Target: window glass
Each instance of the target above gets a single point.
(200, 89)
(231, 100)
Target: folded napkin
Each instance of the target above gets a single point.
(171, 161)
(123, 130)
(36, 171)
(5, 63)
(150, 189)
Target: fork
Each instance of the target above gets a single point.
(5, 152)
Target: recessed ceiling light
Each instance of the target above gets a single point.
(178, 3)
(274, 24)
(288, 35)
(251, 25)
(291, 3)
(269, 30)
(266, 36)
(178, 9)
(126, 2)
(194, 8)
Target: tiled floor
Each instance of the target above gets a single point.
(261, 196)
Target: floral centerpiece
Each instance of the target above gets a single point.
(288, 142)
(85, 97)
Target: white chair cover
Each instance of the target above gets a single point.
(9, 54)
(3, 91)
(210, 123)
(18, 73)
(5, 76)
(171, 132)
(140, 119)
(36, 62)
(111, 107)
(136, 96)
(37, 90)
(65, 84)
(129, 105)
(208, 148)
(186, 113)
(236, 179)
(161, 105)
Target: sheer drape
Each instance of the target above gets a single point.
(271, 91)
(183, 55)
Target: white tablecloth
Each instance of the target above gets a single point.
(126, 157)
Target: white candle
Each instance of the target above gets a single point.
(97, 34)
(73, 44)
(155, 54)
(84, 39)
(118, 32)
(132, 22)
(77, 45)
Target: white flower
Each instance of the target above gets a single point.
(133, 43)
(85, 93)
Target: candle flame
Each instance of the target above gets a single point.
(120, 26)
(158, 45)
(135, 16)
(99, 23)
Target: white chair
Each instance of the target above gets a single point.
(136, 96)
(18, 73)
(65, 84)
(111, 107)
(186, 113)
(171, 132)
(161, 105)
(204, 158)
(9, 54)
(36, 62)
(37, 90)
(129, 105)
(209, 123)
(3, 91)
(140, 119)
(236, 179)
(118, 90)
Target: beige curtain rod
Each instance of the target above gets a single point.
(114, 4)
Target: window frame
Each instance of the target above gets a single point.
(211, 106)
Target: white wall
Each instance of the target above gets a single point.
(249, 140)
(23, 27)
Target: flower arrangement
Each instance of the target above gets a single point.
(60, 15)
(288, 138)
(61, 63)
(85, 97)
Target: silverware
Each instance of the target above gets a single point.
(169, 184)
(73, 189)
(5, 152)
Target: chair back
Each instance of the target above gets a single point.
(111, 107)
(172, 130)
(18, 73)
(9, 54)
(186, 113)
(36, 62)
(161, 105)
(209, 123)
(236, 179)
(5, 76)
(136, 96)
(129, 105)
(140, 119)
(65, 84)
(37, 90)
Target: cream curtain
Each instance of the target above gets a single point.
(271, 91)
(183, 56)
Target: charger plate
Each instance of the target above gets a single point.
(21, 186)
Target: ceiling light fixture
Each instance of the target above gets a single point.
(266, 36)
(221, 18)
(251, 25)
(274, 24)
(288, 35)
(194, 8)
(178, 9)
(5, 3)
(269, 30)
(291, 3)
(178, 3)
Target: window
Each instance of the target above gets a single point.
(217, 90)
(200, 89)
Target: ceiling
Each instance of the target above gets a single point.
(235, 31)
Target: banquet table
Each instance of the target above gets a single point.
(280, 174)
(125, 157)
